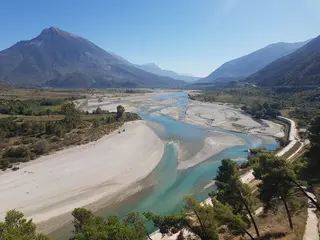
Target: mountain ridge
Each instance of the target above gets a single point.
(301, 67)
(242, 67)
(56, 55)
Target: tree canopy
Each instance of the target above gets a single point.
(90, 227)
(276, 185)
(197, 219)
(231, 191)
(314, 153)
(17, 227)
(120, 112)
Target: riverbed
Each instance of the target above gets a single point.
(190, 161)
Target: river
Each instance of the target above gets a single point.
(170, 185)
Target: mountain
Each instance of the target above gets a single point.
(253, 62)
(121, 59)
(61, 59)
(301, 67)
(153, 68)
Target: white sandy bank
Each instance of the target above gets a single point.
(213, 145)
(128, 101)
(56, 184)
(172, 112)
(230, 118)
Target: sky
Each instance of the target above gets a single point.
(186, 36)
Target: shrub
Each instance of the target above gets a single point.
(28, 140)
(283, 141)
(42, 146)
(55, 145)
(55, 139)
(17, 152)
(17, 142)
(4, 164)
(96, 123)
(80, 131)
(120, 112)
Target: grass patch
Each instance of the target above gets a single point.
(42, 118)
(97, 116)
(5, 115)
(52, 108)
(24, 94)
(34, 118)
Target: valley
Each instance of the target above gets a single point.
(160, 120)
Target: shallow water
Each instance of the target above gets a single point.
(171, 185)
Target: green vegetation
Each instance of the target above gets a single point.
(276, 185)
(196, 218)
(120, 111)
(16, 227)
(38, 107)
(10, 93)
(298, 103)
(89, 227)
(201, 220)
(231, 191)
(309, 164)
(24, 138)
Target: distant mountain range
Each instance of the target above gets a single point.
(155, 69)
(243, 67)
(58, 58)
(301, 67)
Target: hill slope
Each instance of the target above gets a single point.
(61, 59)
(299, 68)
(253, 62)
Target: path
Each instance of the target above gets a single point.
(312, 230)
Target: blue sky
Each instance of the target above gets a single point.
(187, 36)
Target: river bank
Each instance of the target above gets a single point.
(54, 185)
